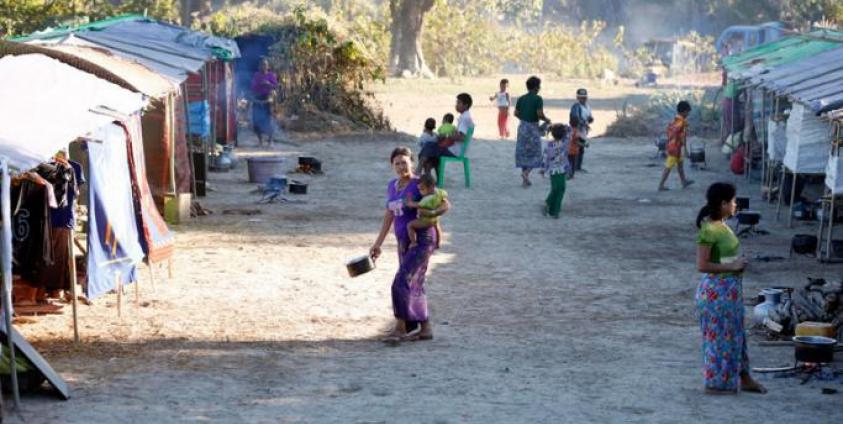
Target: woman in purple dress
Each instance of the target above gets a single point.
(264, 82)
(409, 302)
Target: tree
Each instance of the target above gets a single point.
(405, 51)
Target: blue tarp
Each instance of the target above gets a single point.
(113, 241)
(199, 117)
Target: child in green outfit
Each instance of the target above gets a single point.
(447, 129)
(433, 198)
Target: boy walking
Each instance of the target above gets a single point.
(677, 132)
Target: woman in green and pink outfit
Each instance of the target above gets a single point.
(720, 297)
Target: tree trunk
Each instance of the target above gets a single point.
(405, 52)
(193, 8)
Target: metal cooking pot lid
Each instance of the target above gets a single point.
(815, 340)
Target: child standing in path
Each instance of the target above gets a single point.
(557, 165)
(432, 200)
(677, 132)
(503, 101)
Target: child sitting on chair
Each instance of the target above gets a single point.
(431, 200)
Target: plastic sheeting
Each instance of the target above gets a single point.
(777, 140)
(807, 142)
(114, 248)
(834, 175)
(46, 104)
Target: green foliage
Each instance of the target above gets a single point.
(651, 119)
(472, 42)
(321, 69)
(21, 17)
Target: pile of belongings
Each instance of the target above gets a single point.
(818, 301)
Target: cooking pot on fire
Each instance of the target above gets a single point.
(814, 349)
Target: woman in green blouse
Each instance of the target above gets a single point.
(720, 297)
(529, 109)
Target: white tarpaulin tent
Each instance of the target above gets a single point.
(807, 142)
(777, 139)
(45, 104)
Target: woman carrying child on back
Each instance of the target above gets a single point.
(556, 164)
(432, 200)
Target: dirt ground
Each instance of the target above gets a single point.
(589, 318)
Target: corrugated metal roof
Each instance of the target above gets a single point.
(141, 28)
(768, 56)
(816, 82)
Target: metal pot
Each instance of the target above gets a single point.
(748, 217)
(804, 243)
(360, 265)
(697, 152)
(298, 187)
(814, 349)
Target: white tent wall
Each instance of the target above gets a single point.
(807, 142)
(45, 104)
(777, 140)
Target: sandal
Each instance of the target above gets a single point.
(412, 336)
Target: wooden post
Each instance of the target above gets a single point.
(74, 302)
(781, 193)
(170, 267)
(764, 138)
(792, 200)
(151, 274)
(119, 287)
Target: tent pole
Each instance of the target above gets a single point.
(764, 139)
(119, 286)
(749, 124)
(151, 274)
(171, 130)
(781, 193)
(5, 194)
(74, 301)
(792, 200)
(828, 251)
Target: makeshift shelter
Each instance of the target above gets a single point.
(46, 104)
(831, 202)
(163, 140)
(759, 68)
(200, 63)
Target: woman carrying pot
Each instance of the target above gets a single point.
(409, 302)
(719, 297)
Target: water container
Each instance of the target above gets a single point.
(263, 168)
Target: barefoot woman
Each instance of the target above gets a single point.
(409, 302)
(720, 297)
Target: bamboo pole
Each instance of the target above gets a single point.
(75, 297)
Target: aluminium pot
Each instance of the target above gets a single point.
(360, 265)
(814, 349)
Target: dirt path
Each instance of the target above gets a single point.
(586, 319)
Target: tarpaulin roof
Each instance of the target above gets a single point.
(45, 104)
(141, 78)
(816, 82)
(167, 49)
(760, 59)
(146, 28)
